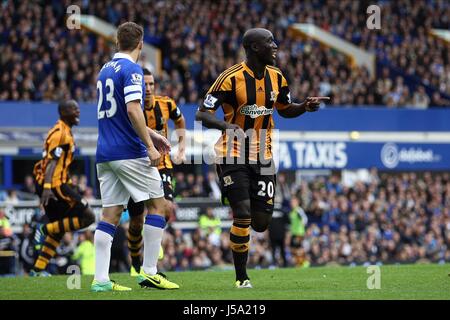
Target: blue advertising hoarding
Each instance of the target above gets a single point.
(386, 154)
(356, 155)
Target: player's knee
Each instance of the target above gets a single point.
(241, 210)
(157, 206)
(169, 209)
(260, 221)
(259, 227)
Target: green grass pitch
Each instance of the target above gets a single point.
(397, 282)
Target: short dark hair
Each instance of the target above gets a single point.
(147, 72)
(129, 34)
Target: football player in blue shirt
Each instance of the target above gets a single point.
(128, 154)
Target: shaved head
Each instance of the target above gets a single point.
(259, 46)
(254, 35)
(69, 112)
(65, 106)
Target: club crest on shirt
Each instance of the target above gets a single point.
(273, 96)
(227, 181)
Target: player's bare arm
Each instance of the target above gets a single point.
(159, 141)
(180, 126)
(138, 122)
(210, 121)
(311, 104)
(48, 194)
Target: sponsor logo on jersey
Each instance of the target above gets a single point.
(254, 111)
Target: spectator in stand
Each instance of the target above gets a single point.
(209, 223)
(212, 186)
(8, 246)
(180, 184)
(279, 224)
(298, 221)
(420, 99)
(88, 194)
(4, 224)
(199, 187)
(85, 253)
(11, 197)
(29, 185)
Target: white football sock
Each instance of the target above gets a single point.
(102, 242)
(153, 233)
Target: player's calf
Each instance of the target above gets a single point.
(87, 218)
(48, 251)
(135, 242)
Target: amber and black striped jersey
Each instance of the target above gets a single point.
(249, 103)
(157, 117)
(59, 145)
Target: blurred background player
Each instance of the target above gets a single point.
(248, 93)
(158, 111)
(126, 158)
(64, 208)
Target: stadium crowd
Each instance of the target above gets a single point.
(383, 218)
(42, 60)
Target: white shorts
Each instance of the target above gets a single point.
(122, 179)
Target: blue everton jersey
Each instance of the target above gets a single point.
(119, 82)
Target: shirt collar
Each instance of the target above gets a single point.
(247, 68)
(65, 125)
(121, 55)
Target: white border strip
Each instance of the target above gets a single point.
(366, 136)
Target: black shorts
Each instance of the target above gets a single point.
(69, 203)
(240, 182)
(166, 176)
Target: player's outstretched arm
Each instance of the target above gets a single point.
(209, 120)
(311, 104)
